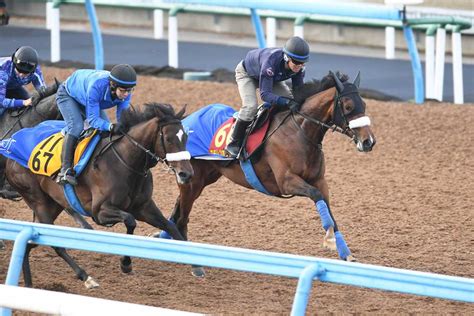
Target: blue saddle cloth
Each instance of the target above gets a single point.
(20, 145)
(201, 127)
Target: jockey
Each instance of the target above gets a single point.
(15, 72)
(85, 95)
(267, 69)
(4, 16)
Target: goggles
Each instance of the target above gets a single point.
(297, 62)
(25, 67)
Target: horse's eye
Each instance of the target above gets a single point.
(348, 107)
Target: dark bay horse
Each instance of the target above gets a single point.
(291, 161)
(15, 119)
(117, 185)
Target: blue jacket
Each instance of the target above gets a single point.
(91, 89)
(267, 65)
(9, 81)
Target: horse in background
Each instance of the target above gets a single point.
(15, 119)
(116, 185)
(291, 160)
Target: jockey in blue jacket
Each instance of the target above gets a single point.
(15, 72)
(267, 69)
(85, 95)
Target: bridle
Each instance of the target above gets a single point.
(149, 154)
(333, 126)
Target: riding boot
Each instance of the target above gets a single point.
(66, 175)
(233, 147)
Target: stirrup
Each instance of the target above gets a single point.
(67, 177)
(232, 151)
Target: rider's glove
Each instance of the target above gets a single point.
(293, 105)
(116, 128)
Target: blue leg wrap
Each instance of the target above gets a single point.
(165, 234)
(341, 246)
(326, 219)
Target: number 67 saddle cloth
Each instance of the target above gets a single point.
(39, 148)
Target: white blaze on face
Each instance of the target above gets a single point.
(180, 135)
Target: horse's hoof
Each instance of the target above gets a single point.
(351, 258)
(155, 235)
(198, 272)
(330, 243)
(2, 245)
(126, 268)
(90, 283)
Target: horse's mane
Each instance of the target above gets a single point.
(310, 88)
(131, 116)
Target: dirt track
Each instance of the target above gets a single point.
(408, 204)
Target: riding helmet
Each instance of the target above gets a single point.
(25, 59)
(297, 49)
(123, 75)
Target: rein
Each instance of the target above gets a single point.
(332, 126)
(19, 116)
(148, 153)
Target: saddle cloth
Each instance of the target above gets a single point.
(209, 132)
(39, 148)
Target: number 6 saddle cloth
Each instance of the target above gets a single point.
(209, 131)
(39, 148)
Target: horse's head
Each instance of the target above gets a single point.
(349, 113)
(170, 143)
(44, 102)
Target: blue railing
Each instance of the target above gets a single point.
(305, 268)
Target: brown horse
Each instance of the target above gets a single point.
(291, 162)
(116, 186)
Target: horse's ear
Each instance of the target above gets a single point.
(57, 82)
(357, 80)
(181, 112)
(339, 85)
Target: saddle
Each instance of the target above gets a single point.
(255, 135)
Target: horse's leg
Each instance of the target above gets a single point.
(26, 266)
(151, 214)
(6, 190)
(319, 193)
(78, 219)
(109, 216)
(46, 211)
(204, 175)
(89, 282)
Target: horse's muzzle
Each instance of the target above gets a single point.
(366, 145)
(183, 177)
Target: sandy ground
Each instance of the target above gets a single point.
(408, 204)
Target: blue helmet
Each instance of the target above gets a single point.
(123, 75)
(297, 49)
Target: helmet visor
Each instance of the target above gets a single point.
(25, 67)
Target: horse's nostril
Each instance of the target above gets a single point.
(368, 144)
(184, 176)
